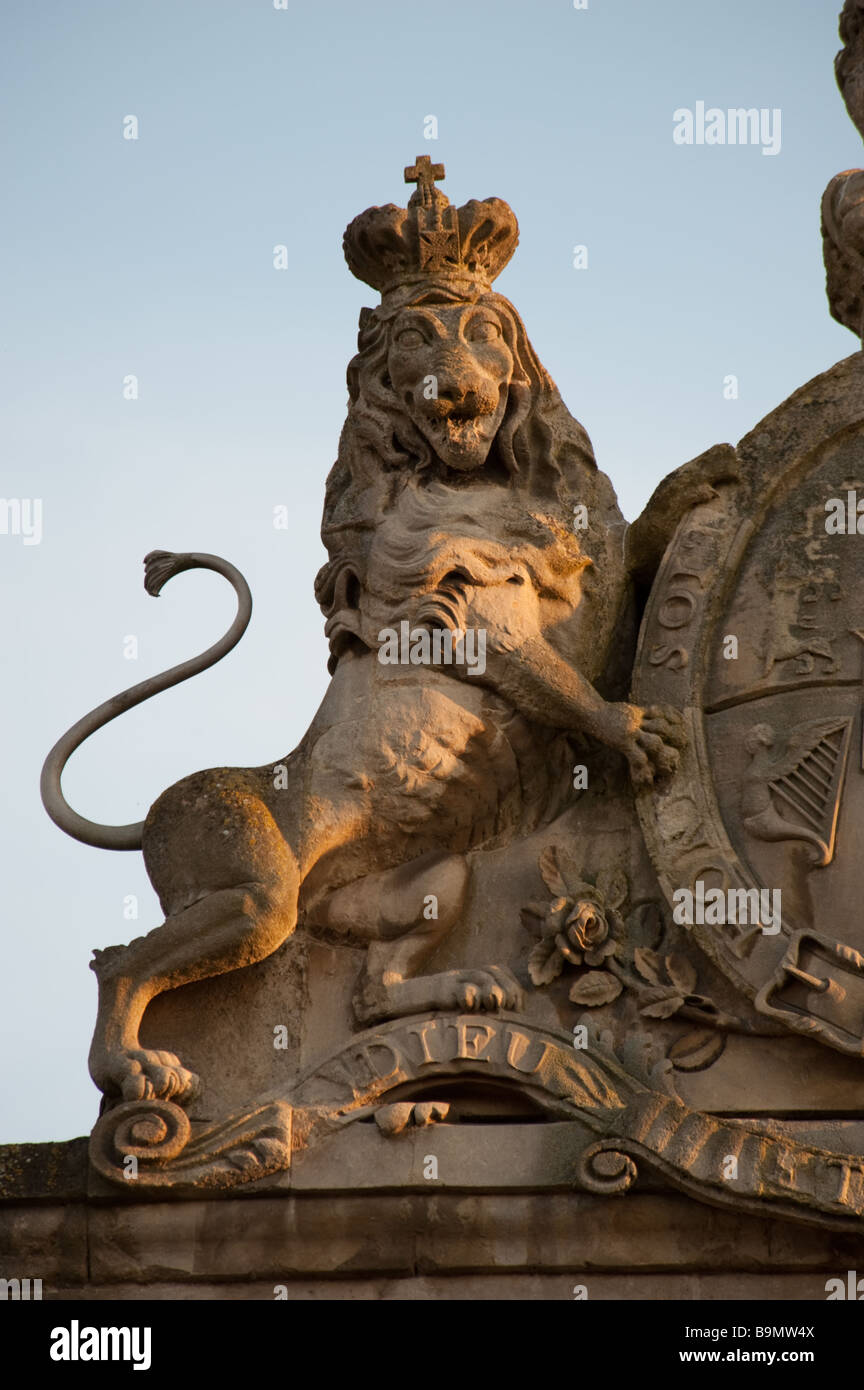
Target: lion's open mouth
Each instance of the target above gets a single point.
(460, 426)
(462, 431)
(462, 434)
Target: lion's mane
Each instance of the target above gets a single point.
(540, 452)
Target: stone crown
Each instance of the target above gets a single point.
(393, 248)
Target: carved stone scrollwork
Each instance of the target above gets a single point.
(617, 1093)
(152, 1132)
(604, 1169)
(150, 1143)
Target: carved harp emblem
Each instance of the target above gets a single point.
(796, 795)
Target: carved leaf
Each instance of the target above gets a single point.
(662, 1078)
(647, 962)
(638, 1053)
(551, 874)
(663, 1008)
(682, 973)
(599, 953)
(614, 887)
(596, 988)
(705, 1006)
(645, 925)
(533, 916)
(545, 962)
(696, 1050)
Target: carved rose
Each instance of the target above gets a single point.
(574, 928)
(586, 927)
(573, 932)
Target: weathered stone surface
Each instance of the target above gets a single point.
(775, 1076)
(477, 1157)
(768, 788)
(50, 1172)
(451, 513)
(372, 1238)
(843, 202)
(47, 1242)
(475, 933)
(426, 998)
(320, 1235)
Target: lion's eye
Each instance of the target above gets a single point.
(483, 331)
(411, 338)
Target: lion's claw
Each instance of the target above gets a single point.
(143, 1074)
(654, 745)
(486, 990)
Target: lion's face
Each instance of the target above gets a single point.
(451, 368)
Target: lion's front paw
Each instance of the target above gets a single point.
(489, 989)
(653, 747)
(142, 1074)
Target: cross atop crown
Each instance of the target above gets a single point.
(437, 224)
(425, 174)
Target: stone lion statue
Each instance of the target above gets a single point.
(465, 501)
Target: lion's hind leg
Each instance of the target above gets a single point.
(228, 882)
(403, 915)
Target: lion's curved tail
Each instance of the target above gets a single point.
(159, 567)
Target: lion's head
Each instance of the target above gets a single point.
(446, 390)
(451, 368)
(447, 384)
(440, 384)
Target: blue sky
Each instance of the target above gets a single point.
(154, 257)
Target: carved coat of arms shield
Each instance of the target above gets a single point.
(755, 628)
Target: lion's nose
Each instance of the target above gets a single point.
(452, 391)
(455, 381)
